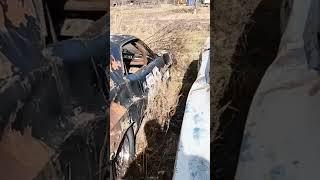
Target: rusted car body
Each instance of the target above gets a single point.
(134, 69)
(52, 104)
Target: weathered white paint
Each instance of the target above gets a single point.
(193, 155)
(206, 1)
(281, 138)
(153, 83)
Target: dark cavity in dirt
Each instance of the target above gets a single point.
(256, 50)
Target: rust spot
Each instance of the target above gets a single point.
(115, 65)
(18, 10)
(22, 156)
(116, 112)
(115, 137)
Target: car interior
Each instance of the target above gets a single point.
(135, 57)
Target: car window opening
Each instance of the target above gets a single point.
(135, 57)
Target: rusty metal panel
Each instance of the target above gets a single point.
(116, 112)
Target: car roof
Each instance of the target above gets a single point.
(120, 39)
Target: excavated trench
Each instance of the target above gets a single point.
(256, 49)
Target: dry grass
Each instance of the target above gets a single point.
(230, 18)
(243, 51)
(176, 29)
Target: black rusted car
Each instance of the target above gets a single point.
(134, 71)
(52, 97)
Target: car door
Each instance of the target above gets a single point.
(143, 80)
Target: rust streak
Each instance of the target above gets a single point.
(116, 132)
(115, 137)
(116, 112)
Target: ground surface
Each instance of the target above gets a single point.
(174, 28)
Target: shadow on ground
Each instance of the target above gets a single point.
(158, 158)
